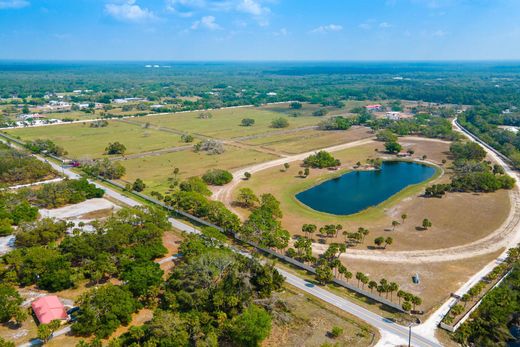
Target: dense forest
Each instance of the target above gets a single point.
(484, 122)
(227, 84)
(491, 323)
(19, 168)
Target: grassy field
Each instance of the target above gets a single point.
(451, 225)
(307, 140)
(225, 123)
(82, 141)
(154, 170)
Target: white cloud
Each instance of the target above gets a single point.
(327, 28)
(129, 11)
(187, 8)
(385, 25)
(252, 7)
(10, 4)
(281, 32)
(207, 22)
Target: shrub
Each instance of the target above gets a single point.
(138, 185)
(115, 148)
(211, 146)
(187, 138)
(247, 122)
(280, 123)
(217, 177)
(336, 332)
(321, 159)
(320, 112)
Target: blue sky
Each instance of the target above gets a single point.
(260, 29)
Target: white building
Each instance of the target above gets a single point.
(393, 115)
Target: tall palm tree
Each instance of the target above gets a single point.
(394, 224)
(392, 287)
(372, 285)
(403, 217)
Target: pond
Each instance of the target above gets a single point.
(357, 190)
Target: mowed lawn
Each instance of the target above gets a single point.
(225, 123)
(155, 170)
(81, 141)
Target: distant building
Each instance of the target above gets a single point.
(48, 308)
(393, 115)
(30, 116)
(271, 94)
(375, 107)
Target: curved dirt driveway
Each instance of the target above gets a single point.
(508, 234)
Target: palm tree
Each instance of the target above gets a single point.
(392, 287)
(348, 275)
(416, 301)
(403, 217)
(400, 294)
(394, 224)
(309, 228)
(364, 280)
(388, 241)
(359, 276)
(372, 285)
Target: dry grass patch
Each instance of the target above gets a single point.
(307, 140)
(438, 280)
(311, 321)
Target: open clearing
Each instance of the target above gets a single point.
(452, 225)
(438, 280)
(311, 322)
(225, 123)
(307, 140)
(82, 142)
(155, 170)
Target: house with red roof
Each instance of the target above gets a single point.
(48, 308)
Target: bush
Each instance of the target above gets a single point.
(336, 332)
(335, 123)
(45, 146)
(280, 123)
(247, 122)
(321, 159)
(386, 136)
(295, 105)
(393, 147)
(217, 177)
(320, 112)
(115, 148)
(195, 184)
(211, 146)
(138, 185)
(187, 138)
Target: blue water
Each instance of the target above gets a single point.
(358, 190)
